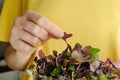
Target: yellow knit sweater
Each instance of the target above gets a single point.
(92, 22)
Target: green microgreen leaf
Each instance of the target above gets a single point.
(41, 76)
(96, 64)
(50, 78)
(102, 77)
(68, 54)
(84, 78)
(93, 52)
(93, 78)
(56, 71)
(71, 67)
(55, 53)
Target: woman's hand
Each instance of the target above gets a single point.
(31, 30)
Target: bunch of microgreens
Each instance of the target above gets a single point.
(73, 64)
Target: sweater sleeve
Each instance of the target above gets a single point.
(10, 10)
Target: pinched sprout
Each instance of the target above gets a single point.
(74, 64)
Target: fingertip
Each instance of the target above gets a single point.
(60, 34)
